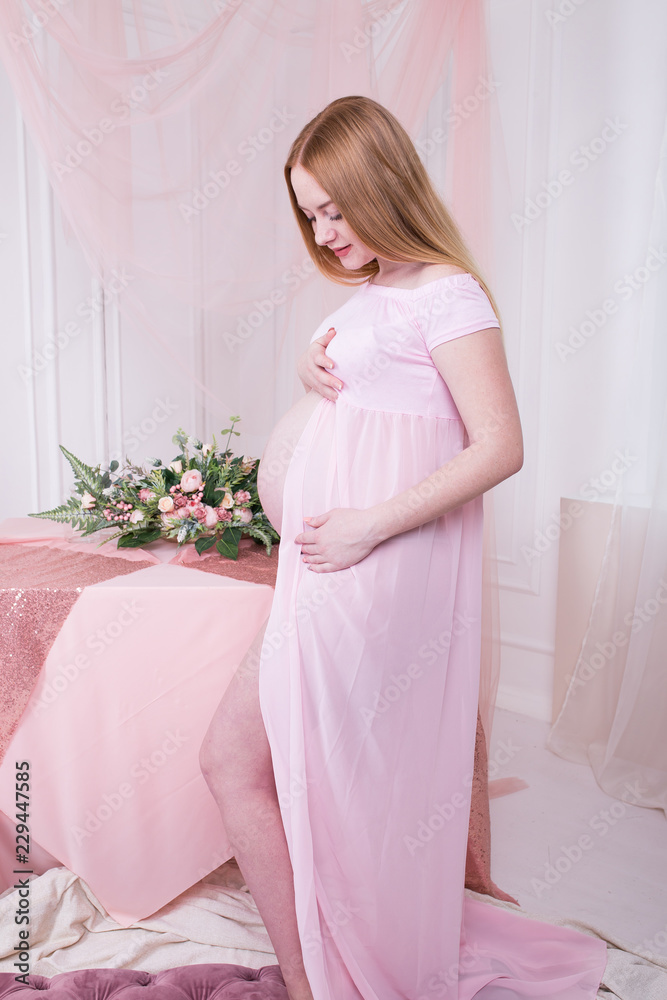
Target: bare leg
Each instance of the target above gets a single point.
(235, 759)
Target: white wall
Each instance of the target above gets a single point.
(558, 78)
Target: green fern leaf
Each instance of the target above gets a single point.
(90, 478)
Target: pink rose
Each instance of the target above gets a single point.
(167, 520)
(198, 512)
(165, 504)
(145, 494)
(191, 480)
(245, 515)
(180, 501)
(211, 516)
(223, 515)
(242, 496)
(182, 513)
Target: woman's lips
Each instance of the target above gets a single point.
(343, 250)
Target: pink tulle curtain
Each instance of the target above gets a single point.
(615, 707)
(164, 127)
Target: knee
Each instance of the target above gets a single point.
(214, 757)
(209, 759)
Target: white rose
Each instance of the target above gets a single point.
(165, 504)
(176, 467)
(246, 464)
(207, 449)
(227, 501)
(88, 501)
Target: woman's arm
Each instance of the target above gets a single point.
(475, 370)
(311, 368)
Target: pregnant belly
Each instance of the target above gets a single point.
(278, 453)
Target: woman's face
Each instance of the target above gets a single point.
(329, 227)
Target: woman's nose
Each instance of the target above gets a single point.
(323, 234)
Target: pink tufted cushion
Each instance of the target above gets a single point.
(188, 982)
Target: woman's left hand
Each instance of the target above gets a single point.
(338, 539)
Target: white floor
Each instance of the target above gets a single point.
(608, 859)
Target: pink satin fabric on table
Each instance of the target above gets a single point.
(114, 725)
(42, 574)
(44, 566)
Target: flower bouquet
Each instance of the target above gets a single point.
(204, 495)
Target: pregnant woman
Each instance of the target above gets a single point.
(342, 764)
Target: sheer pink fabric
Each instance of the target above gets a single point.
(613, 715)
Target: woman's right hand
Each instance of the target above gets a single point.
(312, 368)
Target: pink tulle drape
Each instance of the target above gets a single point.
(613, 714)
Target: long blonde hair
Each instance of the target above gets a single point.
(363, 158)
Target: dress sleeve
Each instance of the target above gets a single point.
(454, 309)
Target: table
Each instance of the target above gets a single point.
(114, 726)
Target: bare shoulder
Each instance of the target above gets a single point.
(432, 272)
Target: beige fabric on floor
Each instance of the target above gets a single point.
(217, 921)
(214, 921)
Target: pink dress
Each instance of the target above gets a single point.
(369, 685)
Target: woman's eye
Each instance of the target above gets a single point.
(332, 218)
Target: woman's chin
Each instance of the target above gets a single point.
(353, 261)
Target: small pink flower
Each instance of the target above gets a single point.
(245, 515)
(191, 480)
(180, 501)
(247, 464)
(223, 515)
(135, 516)
(165, 504)
(200, 513)
(145, 494)
(88, 501)
(242, 496)
(182, 513)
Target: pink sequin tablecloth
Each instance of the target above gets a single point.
(137, 651)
